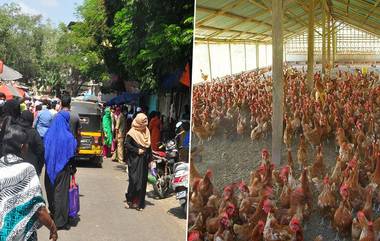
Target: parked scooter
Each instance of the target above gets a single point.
(162, 168)
(180, 183)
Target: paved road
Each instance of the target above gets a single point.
(104, 218)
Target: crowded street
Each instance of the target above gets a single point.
(104, 217)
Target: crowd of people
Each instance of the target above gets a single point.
(46, 133)
(33, 137)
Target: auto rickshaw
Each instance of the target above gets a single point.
(91, 144)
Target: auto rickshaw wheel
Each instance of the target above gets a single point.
(98, 161)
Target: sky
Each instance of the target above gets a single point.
(55, 10)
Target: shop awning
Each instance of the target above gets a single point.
(125, 98)
(9, 74)
(11, 91)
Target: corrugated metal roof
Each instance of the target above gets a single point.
(251, 20)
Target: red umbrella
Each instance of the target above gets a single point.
(11, 91)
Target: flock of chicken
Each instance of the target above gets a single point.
(276, 203)
(243, 101)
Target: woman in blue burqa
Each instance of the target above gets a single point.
(60, 148)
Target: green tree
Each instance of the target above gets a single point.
(153, 38)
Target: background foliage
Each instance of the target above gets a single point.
(135, 40)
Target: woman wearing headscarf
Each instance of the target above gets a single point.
(107, 129)
(35, 154)
(139, 152)
(22, 207)
(60, 147)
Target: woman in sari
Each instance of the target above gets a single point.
(107, 129)
(60, 147)
(139, 152)
(155, 127)
(22, 208)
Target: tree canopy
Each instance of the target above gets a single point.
(136, 40)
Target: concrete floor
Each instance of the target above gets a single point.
(104, 218)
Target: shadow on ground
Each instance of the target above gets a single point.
(177, 212)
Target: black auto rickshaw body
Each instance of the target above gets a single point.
(91, 136)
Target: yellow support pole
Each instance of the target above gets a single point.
(329, 42)
(310, 48)
(334, 33)
(323, 36)
(278, 81)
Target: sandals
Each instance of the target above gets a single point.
(131, 205)
(128, 205)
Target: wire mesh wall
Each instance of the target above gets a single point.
(349, 40)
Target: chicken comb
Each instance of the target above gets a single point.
(265, 152)
(360, 214)
(326, 180)
(260, 223)
(231, 205)
(228, 188)
(193, 235)
(352, 163)
(299, 190)
(267, 203)
(295, 221)
(344, 187)
(284, 170)
(209, 173)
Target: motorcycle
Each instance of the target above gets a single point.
(162, 168)
(180, 183)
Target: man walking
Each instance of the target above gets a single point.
(118, 155)
(43, 119)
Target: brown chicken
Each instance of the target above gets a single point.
(290, 159)
(206, 188)
(194, 174)
(213, 223)
(302, 153)
(343, 216)
(240, 127)
(356, 192)
(273, 231)
(327, 199)
(201, 133)
(260, 213)
(196, 199)
(336, 176)
(257, 233)
(313, 136)
(288, 133)
(318, 168)
(367, 233)
(285, 196)
(306, 189)
(222, 232)
(376, 175)
(356, 229)
(367, 209)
